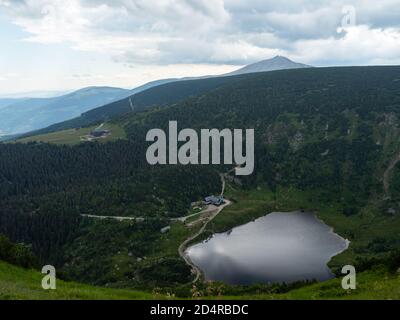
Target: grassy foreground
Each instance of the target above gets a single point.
(20, 284)
(370, 286)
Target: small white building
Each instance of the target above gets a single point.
(165, 229)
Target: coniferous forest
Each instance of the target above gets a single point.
(329, 131)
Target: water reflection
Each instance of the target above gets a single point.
(280, 247)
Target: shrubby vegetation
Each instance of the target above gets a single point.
(17, 254)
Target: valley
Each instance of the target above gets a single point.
(319, 147)
(193, 156)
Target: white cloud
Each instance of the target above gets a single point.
(213, 31)
(134, 29)
(8, 76)
(359, 46)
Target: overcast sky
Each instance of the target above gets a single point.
(51, 45)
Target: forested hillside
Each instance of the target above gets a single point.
(331, 128)
(46, 188)
(329, 132)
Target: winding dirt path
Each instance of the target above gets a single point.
(182, 247)
(112, 217)
(386, 174)
(215, 211)
(223, 184)
(131, 104)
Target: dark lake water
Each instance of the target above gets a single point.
(279, 247)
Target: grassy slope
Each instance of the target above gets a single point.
(17, 283)
(72, 136)
(370, 286)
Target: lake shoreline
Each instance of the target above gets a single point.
(325, 230)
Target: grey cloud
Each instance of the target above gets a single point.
(223, 31)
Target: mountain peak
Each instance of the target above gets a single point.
(279, 58)
(276, 63)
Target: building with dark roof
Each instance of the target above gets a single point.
(214, 200)
(99, 133)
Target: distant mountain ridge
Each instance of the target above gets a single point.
(103, 110)
(157, 96)
(23, 115)
(5, 102)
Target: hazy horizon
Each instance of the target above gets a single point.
(56, 46)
